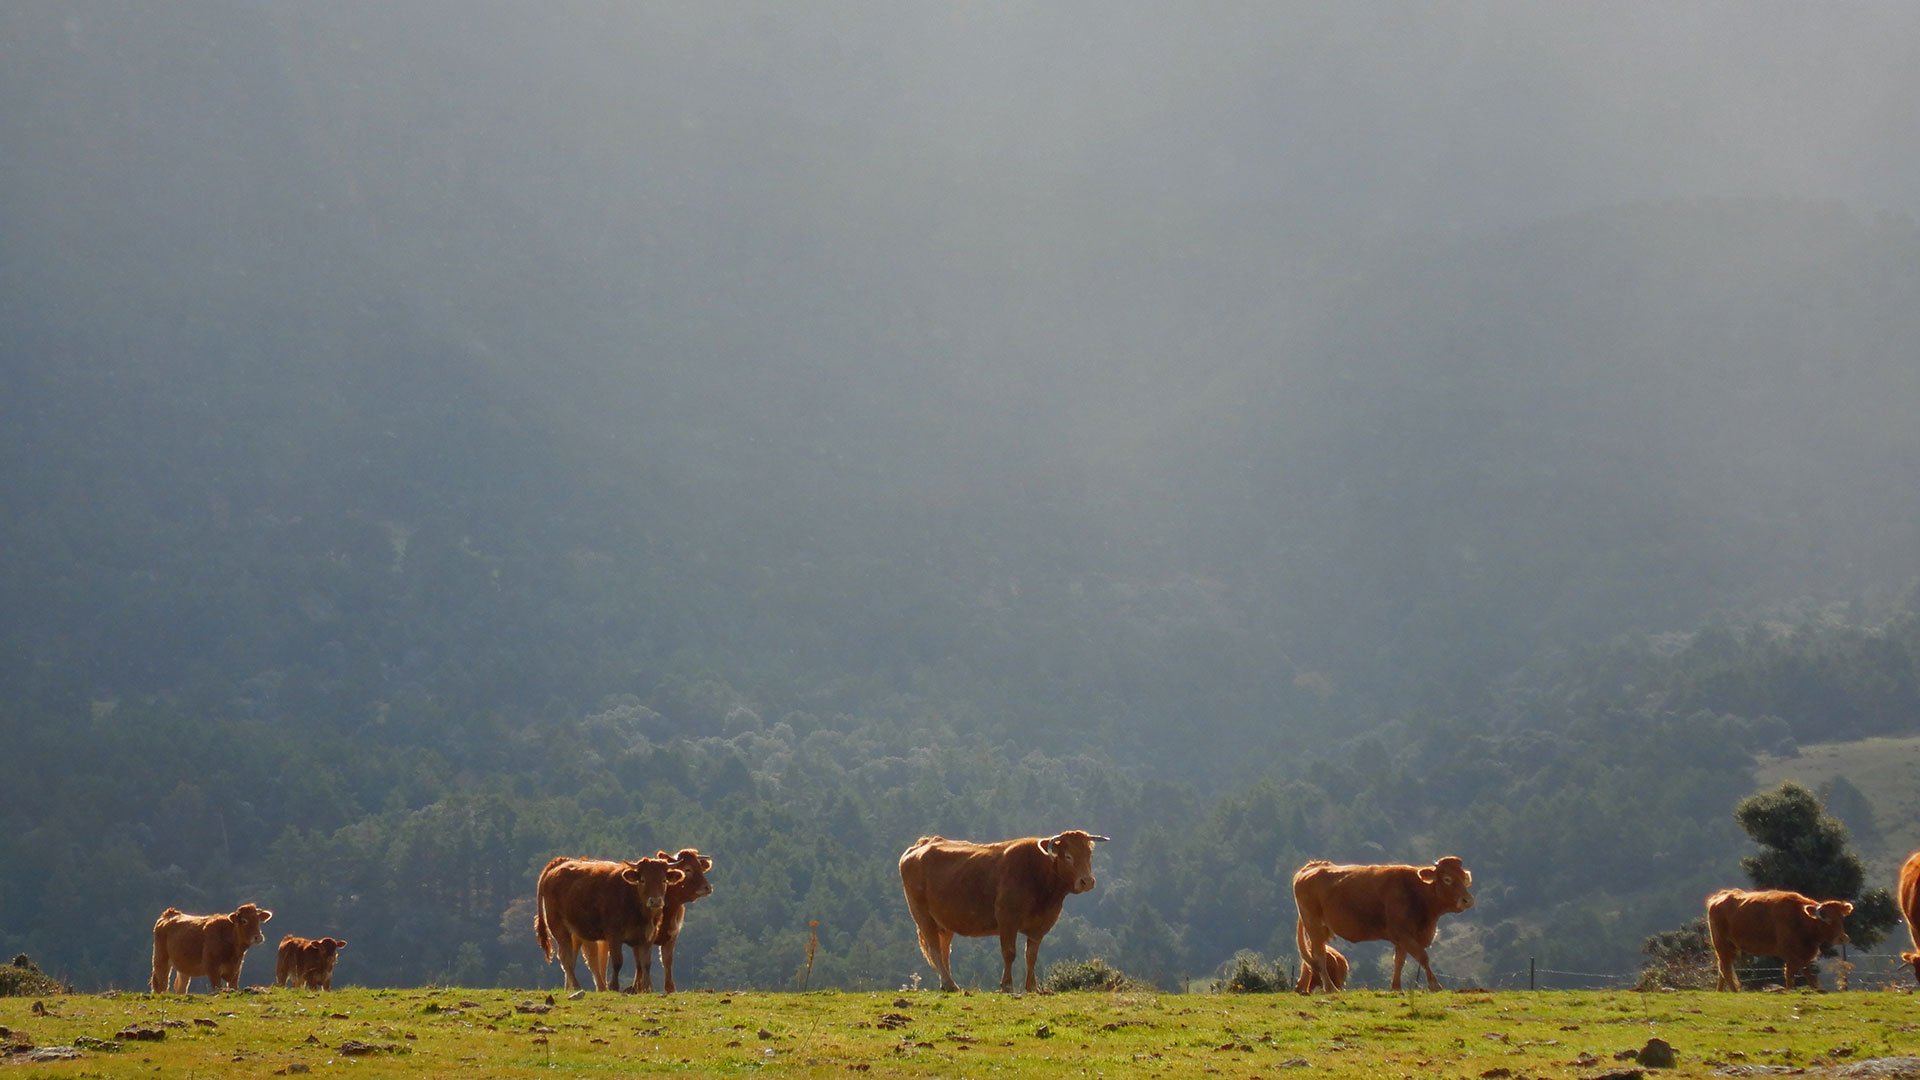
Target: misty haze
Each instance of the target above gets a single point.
(443, 436)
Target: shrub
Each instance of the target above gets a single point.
(1679, 959)
(23, 978)
(1249, 973)
(1086, 975)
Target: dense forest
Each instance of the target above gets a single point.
(370, 536)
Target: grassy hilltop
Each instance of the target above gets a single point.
(456, 1032)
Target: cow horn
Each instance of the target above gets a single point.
(1098, 839)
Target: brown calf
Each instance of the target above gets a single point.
(673, 915)
(1774, 922)
(1397, 904)
(1336, 973)
(307, 962)
(1006, 889)
(191, 946)
(580, 901)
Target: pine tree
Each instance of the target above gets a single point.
(1804, 848)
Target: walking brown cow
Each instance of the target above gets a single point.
(190, 946)
(1910, 908)
(1007, 889)
(673, 914)
(1773, 922)
(1336, 973)
(306, 962)
(581, 901)
(1397, 904)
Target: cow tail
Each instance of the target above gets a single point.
(540, 928)
(926, 947)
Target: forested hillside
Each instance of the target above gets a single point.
(369, 536)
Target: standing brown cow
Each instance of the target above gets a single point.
(689, 888)
(306, 962)
(581, 901)
(211, 945)
(1398, 904)
(1007, 889)
(1773, 922)
(1336, 973)
(1910, 907)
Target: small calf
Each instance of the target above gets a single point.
(305, 961)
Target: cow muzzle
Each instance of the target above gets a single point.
(1083, 883)
(1466, 901)
(259, 938)
(656, 901)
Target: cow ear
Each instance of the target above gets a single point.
(1427, 874)
(1812, 910)
(663, 855)
(675, 877)
(265, 915)
(706, 864)
(1846, 908)
(338, 944)
(1046, 846)
(630, 874)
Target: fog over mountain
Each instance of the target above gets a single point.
(1200, 388)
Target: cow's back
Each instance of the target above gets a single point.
(1359, 903)
(959, 881)
(1768, 922)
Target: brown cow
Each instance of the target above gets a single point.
(1785, 925)
(1397, 904)
(190, 946)
(580, 901)
(1910, 907)
(1010, 888)
(1336, 973)
(685, 891)
(307, 962)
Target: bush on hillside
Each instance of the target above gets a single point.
(1087, 975)
(1249, 973)
(23, 978)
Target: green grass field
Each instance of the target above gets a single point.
(453, 1032)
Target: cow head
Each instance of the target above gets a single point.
(247, 921)
(1072, 853)
(651, 877)
(1450, 881)
(693, 866)
(330, 949)
(1832, 917)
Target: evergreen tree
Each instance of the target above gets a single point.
(1804, 848)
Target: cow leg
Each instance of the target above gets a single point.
(1313, 951)
(1008, 946)
(666, 968)
(596, 964)
(1399, 959)
(643, 968)
(935, 942)
(612, 955)
(1420, 955)
(568, 949)
(1723, 958)
(163, 966)
(1033, 954)
(182, 982)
